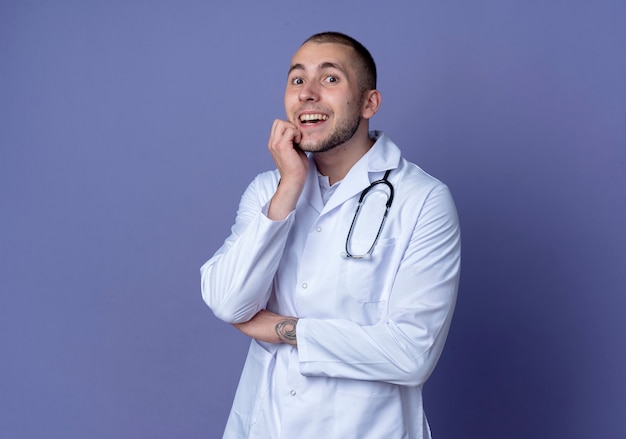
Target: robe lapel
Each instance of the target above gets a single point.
(311, 191)
(384, 155)
(353, 184)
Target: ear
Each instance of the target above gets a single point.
(371, 103)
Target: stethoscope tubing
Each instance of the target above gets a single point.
(385, 181)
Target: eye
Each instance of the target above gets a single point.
(331, 79)
(297, 81)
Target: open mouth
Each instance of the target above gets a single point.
(312, 119)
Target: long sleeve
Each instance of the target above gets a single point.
(237, 280)
(404, 346)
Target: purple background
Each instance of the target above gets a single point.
(129, 129)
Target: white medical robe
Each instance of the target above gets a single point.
(370, 330)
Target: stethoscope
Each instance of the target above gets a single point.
(349, 254)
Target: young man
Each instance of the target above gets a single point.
(342, 266)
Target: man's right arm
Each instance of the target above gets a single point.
(237, 280)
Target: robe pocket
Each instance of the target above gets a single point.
(254, 383)
(365, 278)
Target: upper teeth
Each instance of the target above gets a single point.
(309, 117)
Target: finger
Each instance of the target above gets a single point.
(298, 138)
(276, 127)
(283, 135)
(290, 136)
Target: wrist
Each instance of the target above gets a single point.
(284, 201)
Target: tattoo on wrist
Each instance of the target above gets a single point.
(286, 331)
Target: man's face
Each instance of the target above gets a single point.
(322, 96)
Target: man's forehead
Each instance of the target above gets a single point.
(322, 55)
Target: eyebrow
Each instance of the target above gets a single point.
(322, 66)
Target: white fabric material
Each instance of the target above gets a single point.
(370, 331)
(325, 188)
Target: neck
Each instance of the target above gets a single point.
(337, 162)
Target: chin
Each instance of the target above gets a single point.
(312, 146)
(309, 145)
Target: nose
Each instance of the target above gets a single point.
(309, 91)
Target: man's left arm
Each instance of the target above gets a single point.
(270, 327)
(404, 347)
